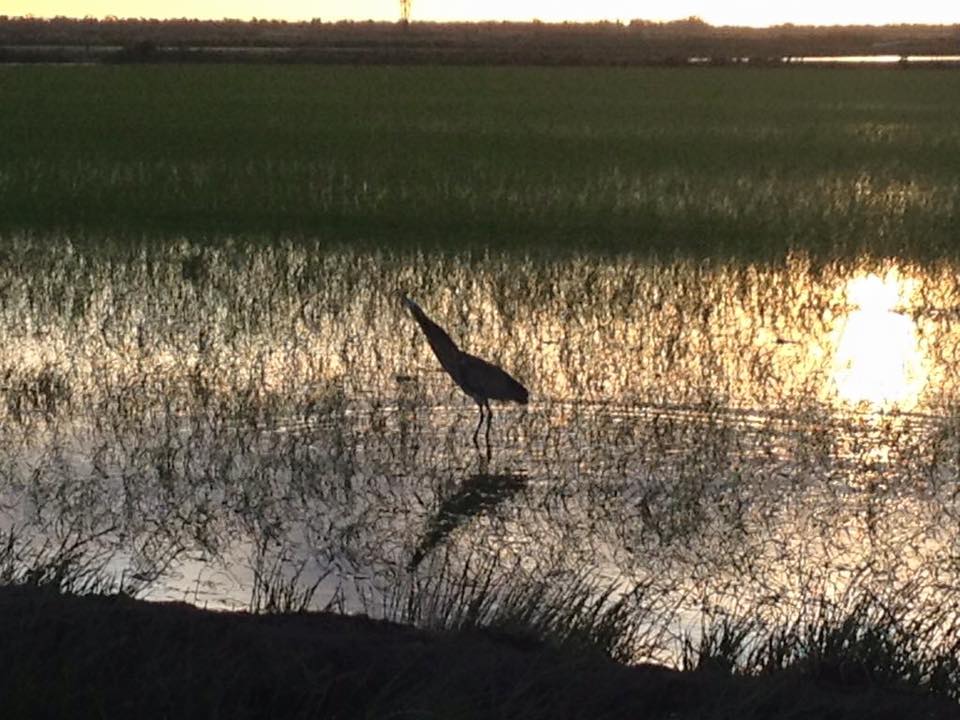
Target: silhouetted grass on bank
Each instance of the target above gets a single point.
(70, 647)
(99, 656)
(859, 641)
(580, 613)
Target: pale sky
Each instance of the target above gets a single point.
(717, 12)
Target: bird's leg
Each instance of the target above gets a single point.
(483, 464)
(477, 431)
(489, 418)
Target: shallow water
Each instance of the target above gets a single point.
(223, 425)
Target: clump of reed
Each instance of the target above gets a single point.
(574, 610)
(860, 640)
(73, 563)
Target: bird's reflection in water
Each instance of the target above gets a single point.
(478, 494)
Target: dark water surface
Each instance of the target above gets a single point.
(236, 426)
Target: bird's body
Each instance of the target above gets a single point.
(481, 380)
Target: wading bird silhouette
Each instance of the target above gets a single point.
(479, 379)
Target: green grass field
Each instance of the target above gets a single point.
(701, 162)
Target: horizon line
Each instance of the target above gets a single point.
(691, 20)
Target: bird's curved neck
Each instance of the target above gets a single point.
(446, 350)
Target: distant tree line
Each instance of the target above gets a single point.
(610, 43)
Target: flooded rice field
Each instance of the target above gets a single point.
(265, 426)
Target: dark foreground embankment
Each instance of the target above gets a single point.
(104, 657)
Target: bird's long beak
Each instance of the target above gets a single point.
(410, 304)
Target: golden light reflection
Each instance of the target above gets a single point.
(878, 359)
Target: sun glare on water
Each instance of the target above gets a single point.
(878, 359)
